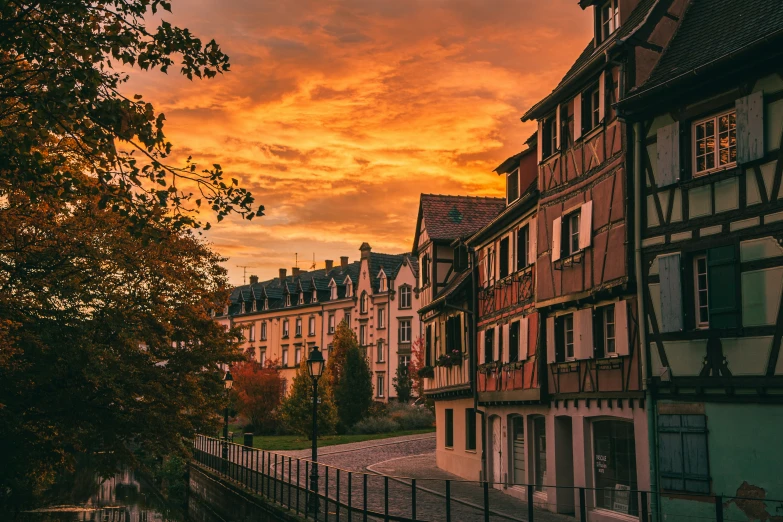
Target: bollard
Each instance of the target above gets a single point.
(530, 503)
(448, 501)
(486, 501)
(582, 507)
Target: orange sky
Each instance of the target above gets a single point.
(337, 115)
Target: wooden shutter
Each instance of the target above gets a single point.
(586, 225)
(583, 333)
(722, 287)
(532, 240)
(750, 127)
(540, 146)
(523, 339)
(671, 293)
(578, 116)
(602, 97)
(668, 145)
(550, 339)
(556, 230)
(559, 129)
(621, 327)
(481, 346)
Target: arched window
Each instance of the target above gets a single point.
(365, 303)
(301, 298)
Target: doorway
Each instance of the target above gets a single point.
(496, 448)
(564, 465)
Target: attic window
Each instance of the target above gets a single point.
(243, 307)
(301, 298)
(382, 283)
(348, 288)
(333, 289)
(225, 310)
(253, 308)
(550, 141)
(512, 186)
(288, 300)
(266, 304)
(609, 19)
(315, 296)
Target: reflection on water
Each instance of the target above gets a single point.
(122, 498)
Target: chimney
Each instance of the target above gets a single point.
(344, 262)
(365, 249)
(329, 264)
(253, 279)
(295, 271)
(282, 274)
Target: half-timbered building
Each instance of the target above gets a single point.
(446, 279)
(709, 132)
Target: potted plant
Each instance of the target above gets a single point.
(427, 372)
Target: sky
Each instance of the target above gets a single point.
(337, 115)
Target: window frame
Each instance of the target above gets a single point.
(605, 329)
(298, 327)
(286, 329)
(612, 22)
(381, 317)
(489, 345)
(717, 167)
(697, 305)
(504, 261)
(252, 333)
(331, 323)
(364, 303)
(405, 304)
(517, 193)
(362, 335)
(682, 431)
(401, 337)
(567, 235)
(591, 108)
(549, 139)
(263, 330)
(379, 351)
(311, 326)
(380, 385)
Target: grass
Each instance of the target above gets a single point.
(297, 442)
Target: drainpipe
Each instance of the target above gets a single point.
(473, 367)
(651, 434)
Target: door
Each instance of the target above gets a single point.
(517, 435)
(497, 452)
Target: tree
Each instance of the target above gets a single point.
(344, 339)
(354, 391)
(108, 346)
(63, 111)
(297, 409)
(258, 392)
(417, 363)
(403, 384)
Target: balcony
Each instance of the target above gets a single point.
(515, 289)
(510, 382)
(447, 379)
(609, 375)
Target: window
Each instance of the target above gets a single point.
(449, 431)
(701, 291)
(523, 246)
(331, 323)
(564, 337)
(362, 335)
(311, 326)
(682, 453)
(329, 348)
(518, 450)
(380, 350)
(285, 357)
(285, 328)
(348, 288)
(470, 429)
(252, 333)
(381, 318)
(404, 360)
(489, 345)
(405, 296)
(242, 311)
(513, 342)
(489, 264)
(284, 387)
(591, 108)
(263, 331)
(301, 298)
(333, 289)
(298, 327)
(715, 143)
(425, 270)
(405, 330)
(225, 310)
(570, 235)
(500, 344)
(454, 333)
(379, 385)
(605, 331)
(262, 358)
(609, 19)
(504, 257)
(288, 300)
(550, 136)
(347, 318)
(615, 466)
(315, 297)
(539, 452)
(266, 304)
(364, 303)
(297, 356)
(382, 283)
(428, 345)
(253, 306)
(512, 186)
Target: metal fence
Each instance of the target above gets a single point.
(359, 496)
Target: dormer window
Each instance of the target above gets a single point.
(608, 19)
(288, 300)
(382, 282)
(315, 297)
(225, 310)
(266, 304)
(332, 289)
(254, 306)
(243, 307)
(301, 298)
(348, 287)
(512, 186)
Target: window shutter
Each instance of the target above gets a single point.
(559, 128)
(504, 344)
(583, 333)
(523, 340)
(556, 230)
(481, 345)
(671, 293)
(540, 146)
(668, 145)
(621, 327)
(586, 225)
(750, 127)
(602, 97)
(532, 240)
(578, 116)
(722, 287)
(550, 340)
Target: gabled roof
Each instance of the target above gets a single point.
(447, 218)
(711, 31)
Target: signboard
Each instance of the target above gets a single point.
(622, 494)
(601, 463)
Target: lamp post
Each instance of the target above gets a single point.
(315, 367)
(228, 382)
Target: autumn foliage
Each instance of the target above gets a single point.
(258, 393)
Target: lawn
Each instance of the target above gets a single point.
(297, 442)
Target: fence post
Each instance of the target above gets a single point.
(582, 507)
(385, 498)
(326, 493)
(337, 501)
(298, 489)
(448, 501)
(413, 499)
(350, 495)
(307, 490)
(486, 501)
(718, 508)
(645, 516)
(364, 515)
(530, 491)
(289, 482)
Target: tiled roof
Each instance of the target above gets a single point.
(713, 29)
(452, 217)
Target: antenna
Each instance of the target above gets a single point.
(296, 259)
(244, 272)
(312, 267)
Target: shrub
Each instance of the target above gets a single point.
(412, 417)
(372, 425)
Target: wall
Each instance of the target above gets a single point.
(457, 460)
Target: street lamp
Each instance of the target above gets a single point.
(315, 367)
(228, 382)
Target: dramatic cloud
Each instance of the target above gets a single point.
(338, 114)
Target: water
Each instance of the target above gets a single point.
(122, 498)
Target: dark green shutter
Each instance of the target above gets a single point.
(722, 287)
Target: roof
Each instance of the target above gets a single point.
(454, 285)
(637, 17)
(710, 31)
(451, 217)
(523, 204)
